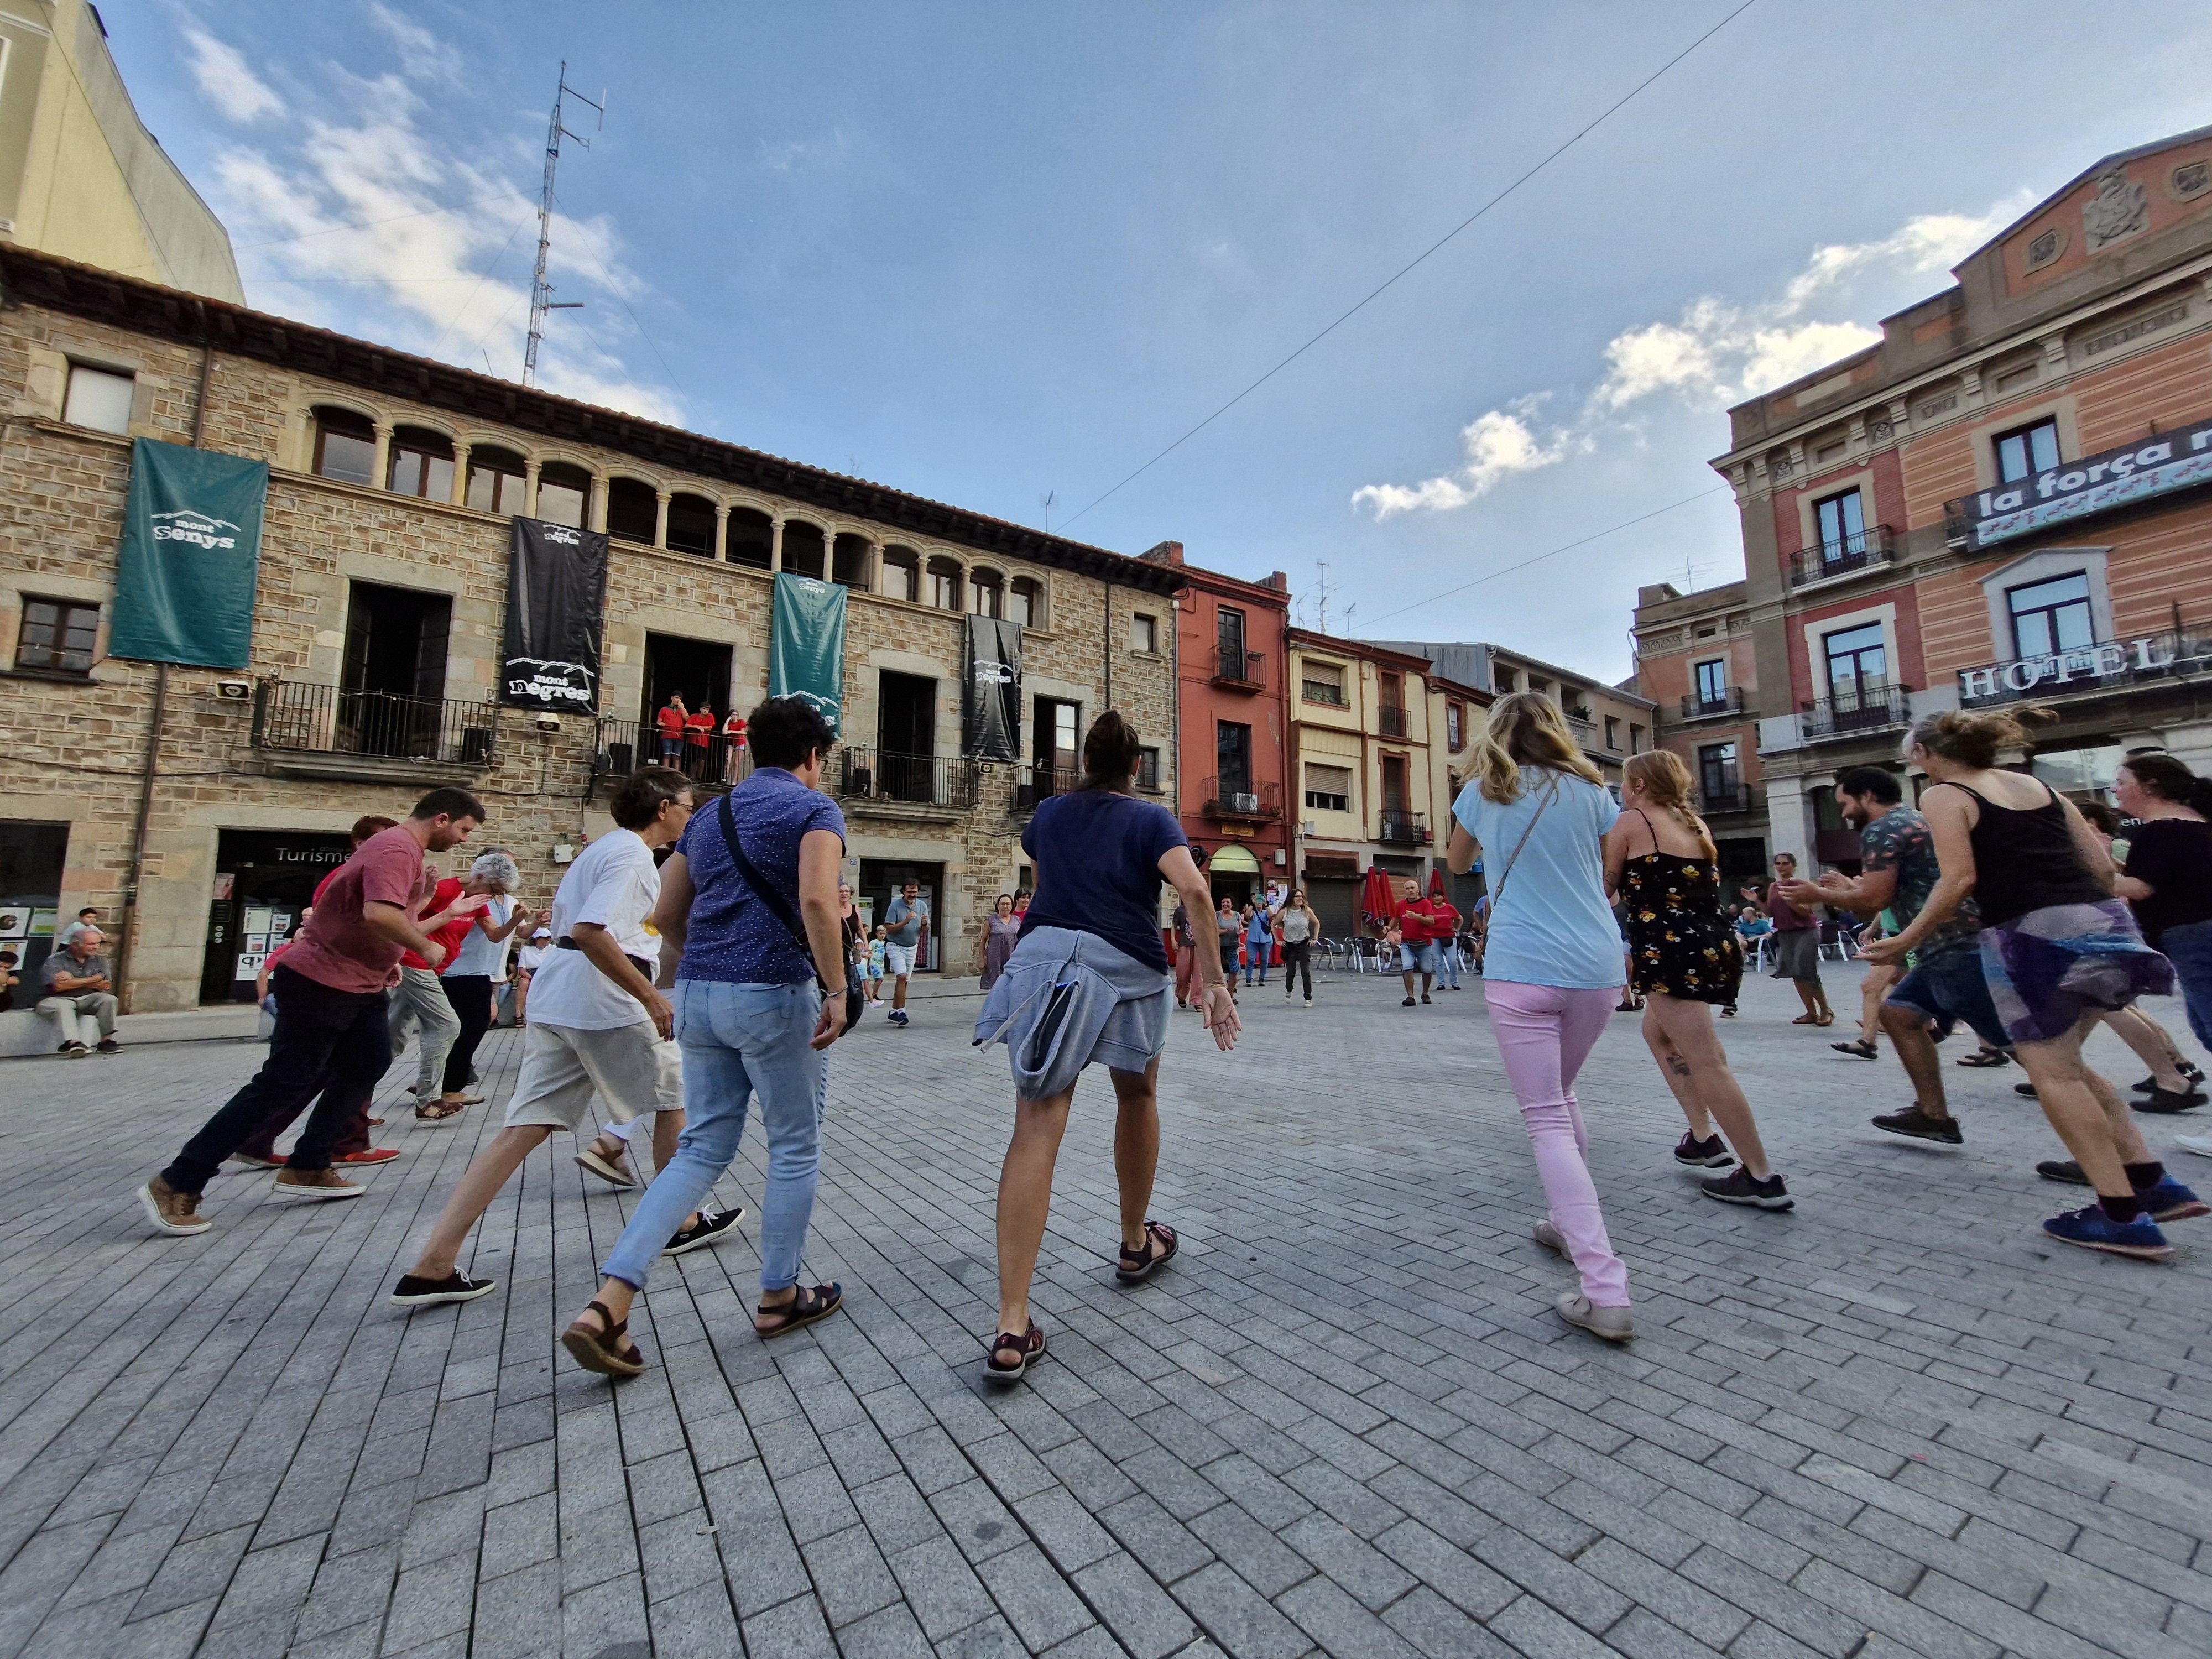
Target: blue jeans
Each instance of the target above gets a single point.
(1447, 963)
(737, 1039)
(2188, 948)
(1256, 952)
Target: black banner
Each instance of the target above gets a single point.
(556, 590)
(991, 711)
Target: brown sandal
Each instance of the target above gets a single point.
(1136, 1265)
(435, 1112)
(607, 1350)
(1028, 1348)
(803, 1310)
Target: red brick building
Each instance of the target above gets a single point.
(1234, 767)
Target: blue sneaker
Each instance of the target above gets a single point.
(2092, 1229)
(2171, 1201)
(898, 1016)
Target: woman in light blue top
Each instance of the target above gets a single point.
(1537, 810)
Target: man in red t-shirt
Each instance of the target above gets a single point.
(420, 1000)
(669, 722)
(698, 734)
(332, 991)
(1421, 925)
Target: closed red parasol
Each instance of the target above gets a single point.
(1379, 897)
(1436, 882)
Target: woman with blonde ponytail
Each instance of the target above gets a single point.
(1662, 865)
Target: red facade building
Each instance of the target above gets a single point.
(1234, 761)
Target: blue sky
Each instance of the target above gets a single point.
(988, 252)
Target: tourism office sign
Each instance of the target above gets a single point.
(2139, 472)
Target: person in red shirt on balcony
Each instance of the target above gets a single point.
(669, 723)
(1422, 925)
(698, 738)
(733, 741)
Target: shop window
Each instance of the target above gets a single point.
(751, 538)
(2027, 450)
(495, 481)
(902, 573)
(345, 447)
(633, 510)
(1025, 602)
(58, 636)
(98, 399)
(2051, 616)
(421, 464)
(564, 494)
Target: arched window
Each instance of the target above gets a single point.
(987, 593)
(691, 524)
(802, 548)
(564, 494)
(848, 562)
(751, 538)
(902, 573)
(494, 480)
(944, 576)
(1028, 602)
(421, 464)
(632, 508)
(345, 447)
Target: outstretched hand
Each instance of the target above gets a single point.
(1220, 1013)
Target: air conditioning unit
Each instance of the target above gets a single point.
(1241, 803)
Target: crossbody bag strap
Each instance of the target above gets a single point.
(1514, 856)
(726, 820)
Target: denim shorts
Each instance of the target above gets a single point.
(1417, 957)
(1949, 987)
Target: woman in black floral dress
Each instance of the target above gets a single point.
(1663, 867)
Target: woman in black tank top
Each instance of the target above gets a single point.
(2058, 950)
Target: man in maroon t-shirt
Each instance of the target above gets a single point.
(332, 991)
(1797, 944)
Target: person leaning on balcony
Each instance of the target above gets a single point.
(698, 738)
(734, 744)
(76, 982)
(669, 722)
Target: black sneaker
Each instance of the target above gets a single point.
(1738, 1188)
(2188, 1068)
(2026, 1088)
(1918, 1124)
(1425, 1000)
(1710, 1153)
(711, 1228)
(1408, 1003)
(413, 1293)
(2064, 1171)
(2168, 1100)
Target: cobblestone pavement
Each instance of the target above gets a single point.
(1346, 1421)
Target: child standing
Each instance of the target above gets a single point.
(875, 968)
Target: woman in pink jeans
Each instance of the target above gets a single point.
(1536, 811)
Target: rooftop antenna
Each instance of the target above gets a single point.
(1321, 596)
(541, 291)
(1689, 574)
(1048, 498)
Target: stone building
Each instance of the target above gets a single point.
(2003, 499)
(1610, 722)
(1696, 664)
(378, 628)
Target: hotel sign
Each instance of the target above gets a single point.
(2086, 667)
(2075, 490)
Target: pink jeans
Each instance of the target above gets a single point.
(1544, 1035)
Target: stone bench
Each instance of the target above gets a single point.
(26, 1031)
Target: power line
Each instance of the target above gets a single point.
(1375, 292)
(615, 289)
(368, 224)
(1538, 559)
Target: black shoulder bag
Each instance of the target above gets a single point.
(855, 1002)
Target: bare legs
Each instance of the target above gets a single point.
(1873, 988)
(1922, 1065)
(2085, 1110)
(1681, 1038)
(1026, 1181)
(490, 1171)
(2152, 1047)
(1815, 998)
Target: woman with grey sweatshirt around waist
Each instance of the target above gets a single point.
(1088, 981)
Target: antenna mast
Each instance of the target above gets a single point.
(541, 291)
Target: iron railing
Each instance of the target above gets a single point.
(2109, 665)
(1725, 797)
(1238, 666)
(1390, 720)
(1240, 798)
(1036, 783)
(1862, 550)
(1730, 701)
(914, 780)
(329, 720)
(625, 746)
(1869, 709)
(1404, 828)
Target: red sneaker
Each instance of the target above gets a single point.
(255, 1161)
(374, 1155)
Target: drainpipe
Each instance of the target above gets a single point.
(151, 765)
(1109, 644)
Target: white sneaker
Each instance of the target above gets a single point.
(2200, 1145)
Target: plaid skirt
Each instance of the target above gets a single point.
(2048, 967)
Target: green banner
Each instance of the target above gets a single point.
(806, 646)
(190, 552)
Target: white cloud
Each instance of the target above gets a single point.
(237, 92)
(1717, 353)
(422, 53)
(342, 212)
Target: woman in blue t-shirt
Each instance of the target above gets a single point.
(1088, 980)
(1536, 811)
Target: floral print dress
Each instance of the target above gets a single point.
(1681, 942)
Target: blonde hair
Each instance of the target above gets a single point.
(1975, 740)
(1526, 728)
(1661, 773)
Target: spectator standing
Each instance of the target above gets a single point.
(1297, 926)
(906, 939)
(1001, 928)
(698, 739)
(1445, 923)
(750, 901)
(669, 722)
(75, 983)
(1535, 812)
(1186, 963)
(527, 961)
(1089, 982)
(1258, 940)
(1797, 944)
(2167, 878)
(1418, 924)
(1227, 925)
(878, 948)
(88, 920)
(734, 744)
(2057, 949)
(478, 962)
(335, 1023)
(852, 932)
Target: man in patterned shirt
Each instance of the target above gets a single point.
(1945, 985)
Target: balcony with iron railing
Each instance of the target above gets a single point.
(1871, 709)
(329, 730)
(2086, 670)
(1240, 798)
(1697, 707)
(1862, 550)
(1403, 829)
(625, 746)
(1036, 783)
(1730, 796)
(1235, 669)
(923, 782)
(1390, 720)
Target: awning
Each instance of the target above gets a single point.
(1233, 861)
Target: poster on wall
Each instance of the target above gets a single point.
(991, 678)
(556, 596)
(190, 557)
(806, 645)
